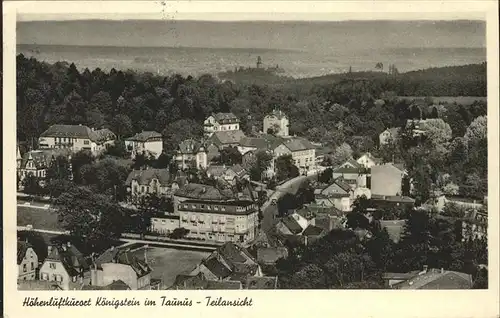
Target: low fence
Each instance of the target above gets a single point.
(163, 239)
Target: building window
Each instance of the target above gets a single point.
(86, 142)
(52, 265)
(25, 269)
(32, 266)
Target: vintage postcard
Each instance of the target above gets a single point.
(251, 158)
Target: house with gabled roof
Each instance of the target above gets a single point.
(338, 194)
(353, 173)
(220, 122)
(367, 160)
(76, 138)
(37, 162)
(191, 153)
(119, 264)
(153, 181)
(66, 265)
(303, 152)
(27, 261)
(388, 136)
(434, 279)
(148, 142)
(277, 122)
(230, 262)
(225, 139)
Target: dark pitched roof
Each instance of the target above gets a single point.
(71, 258)
(43, 158)
(188, 282)
(298, 144)
(261, 282)
(269, 255)
(277, 113)
(22, 248)
(223, 285)
(292, 224)
(227, 137)
(144, 177)
(123, 256)
(217, 267)
(189, 146)
(312, 230)
(204, 192)
(115, 285)
(226, 118)
(145, 136)
(73, 131)
(437, 279)
(79, 131)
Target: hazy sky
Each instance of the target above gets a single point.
(250, 10)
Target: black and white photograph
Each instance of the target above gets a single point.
(233, 151)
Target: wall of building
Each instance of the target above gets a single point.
(28, 266)
(164, 225)
(219, 227)
(55, 271)
(114, 271)
(386, 180)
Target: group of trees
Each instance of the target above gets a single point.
(343, 259)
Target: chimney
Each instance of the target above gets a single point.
(68, 244)
(425, 268)
(49, 249)
(442, 270)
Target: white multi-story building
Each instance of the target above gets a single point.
(277, 122)
(302, 151)
(221, 122)
(150, 142)
(76, 138)
(191, 153)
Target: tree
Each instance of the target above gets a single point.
(56, 187)
(93, 217)
(140, 161)
(229, 156)
(260, 165)
(118, 150)
(178, 233)
(438, 133)
(341, 154)
(106, 177)
(476, 131)
(32, 186)
(325, 176)
(121, 125)
(59, 169)
(81, 158)
(285, 168)
(163, 161)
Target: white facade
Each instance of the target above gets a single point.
(305, 159)
(154, 147)
(278, 122)
(212, 124)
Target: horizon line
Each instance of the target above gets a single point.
(255, 20)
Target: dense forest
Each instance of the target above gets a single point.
(344, 111)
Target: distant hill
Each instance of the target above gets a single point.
(464, 80)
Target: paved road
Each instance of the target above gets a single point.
(270, 211)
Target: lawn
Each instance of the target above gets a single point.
(39, 218)
(167, 263)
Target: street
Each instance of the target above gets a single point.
(270, 211)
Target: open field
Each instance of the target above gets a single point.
(168, 263)
(38, 218)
